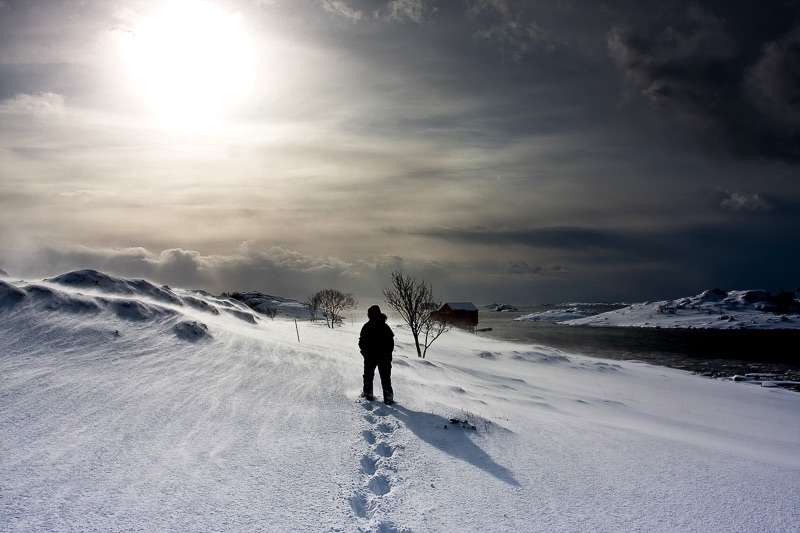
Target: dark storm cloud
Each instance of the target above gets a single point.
(727, 70)
(775, 81)
(563, 239)
(731, 70)
(520, 268)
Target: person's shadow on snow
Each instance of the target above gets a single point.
(455, 441)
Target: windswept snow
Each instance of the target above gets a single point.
(125, 406)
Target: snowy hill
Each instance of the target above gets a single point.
(714, 309)
(127, 406)
(263, 303)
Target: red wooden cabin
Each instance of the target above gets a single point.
(463, 315)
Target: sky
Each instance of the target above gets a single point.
(503, 151)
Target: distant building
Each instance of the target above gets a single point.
(463, 315)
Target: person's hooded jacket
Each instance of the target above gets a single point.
(377, 338)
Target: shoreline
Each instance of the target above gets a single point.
(715, 368)
(716, 354)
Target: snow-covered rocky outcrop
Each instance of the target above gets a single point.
(501, 308)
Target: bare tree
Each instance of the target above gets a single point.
(414, 301)
(332, 302)
(312, 304)
(432, 329)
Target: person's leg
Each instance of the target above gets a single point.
(385, 370)
(369, 377)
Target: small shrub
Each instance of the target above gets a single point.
(471, 421)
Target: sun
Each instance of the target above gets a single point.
(191, 61)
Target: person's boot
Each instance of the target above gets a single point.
(367, 393)
(388, 397)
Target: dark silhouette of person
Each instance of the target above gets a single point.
(377, 343)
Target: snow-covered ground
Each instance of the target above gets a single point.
(130, 407)
(752, 309)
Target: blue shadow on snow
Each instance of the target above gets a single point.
(454, 441)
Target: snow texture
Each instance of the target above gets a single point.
(130, 407)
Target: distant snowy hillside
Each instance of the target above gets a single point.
(749, 309)
(125, 406)
(263, 303)
(557, 315)
(500, 308)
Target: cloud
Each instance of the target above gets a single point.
(564, 238)
(86, 196)
(774, 81)
(687, 63)
(45, 103)
(402, 10)
(340, 8)
(737, 201)
(692, 63)
(250, 266)
(520, 268)
(511, 28)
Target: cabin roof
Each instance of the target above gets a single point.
(461, 306)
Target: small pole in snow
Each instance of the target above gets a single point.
(297, 329)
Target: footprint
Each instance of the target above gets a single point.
(389, 527)
(358, 503)
(369, 418)
(384, 450)
(369, 436)
(385, 428)
(368, 465)
(380, 485)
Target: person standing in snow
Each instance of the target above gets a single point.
(377, 343)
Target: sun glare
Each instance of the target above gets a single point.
(191, 61)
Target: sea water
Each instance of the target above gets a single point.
(701, 350)
(658, 345)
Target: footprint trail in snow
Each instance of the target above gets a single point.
(379, 470)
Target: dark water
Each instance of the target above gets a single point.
(711, 352)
